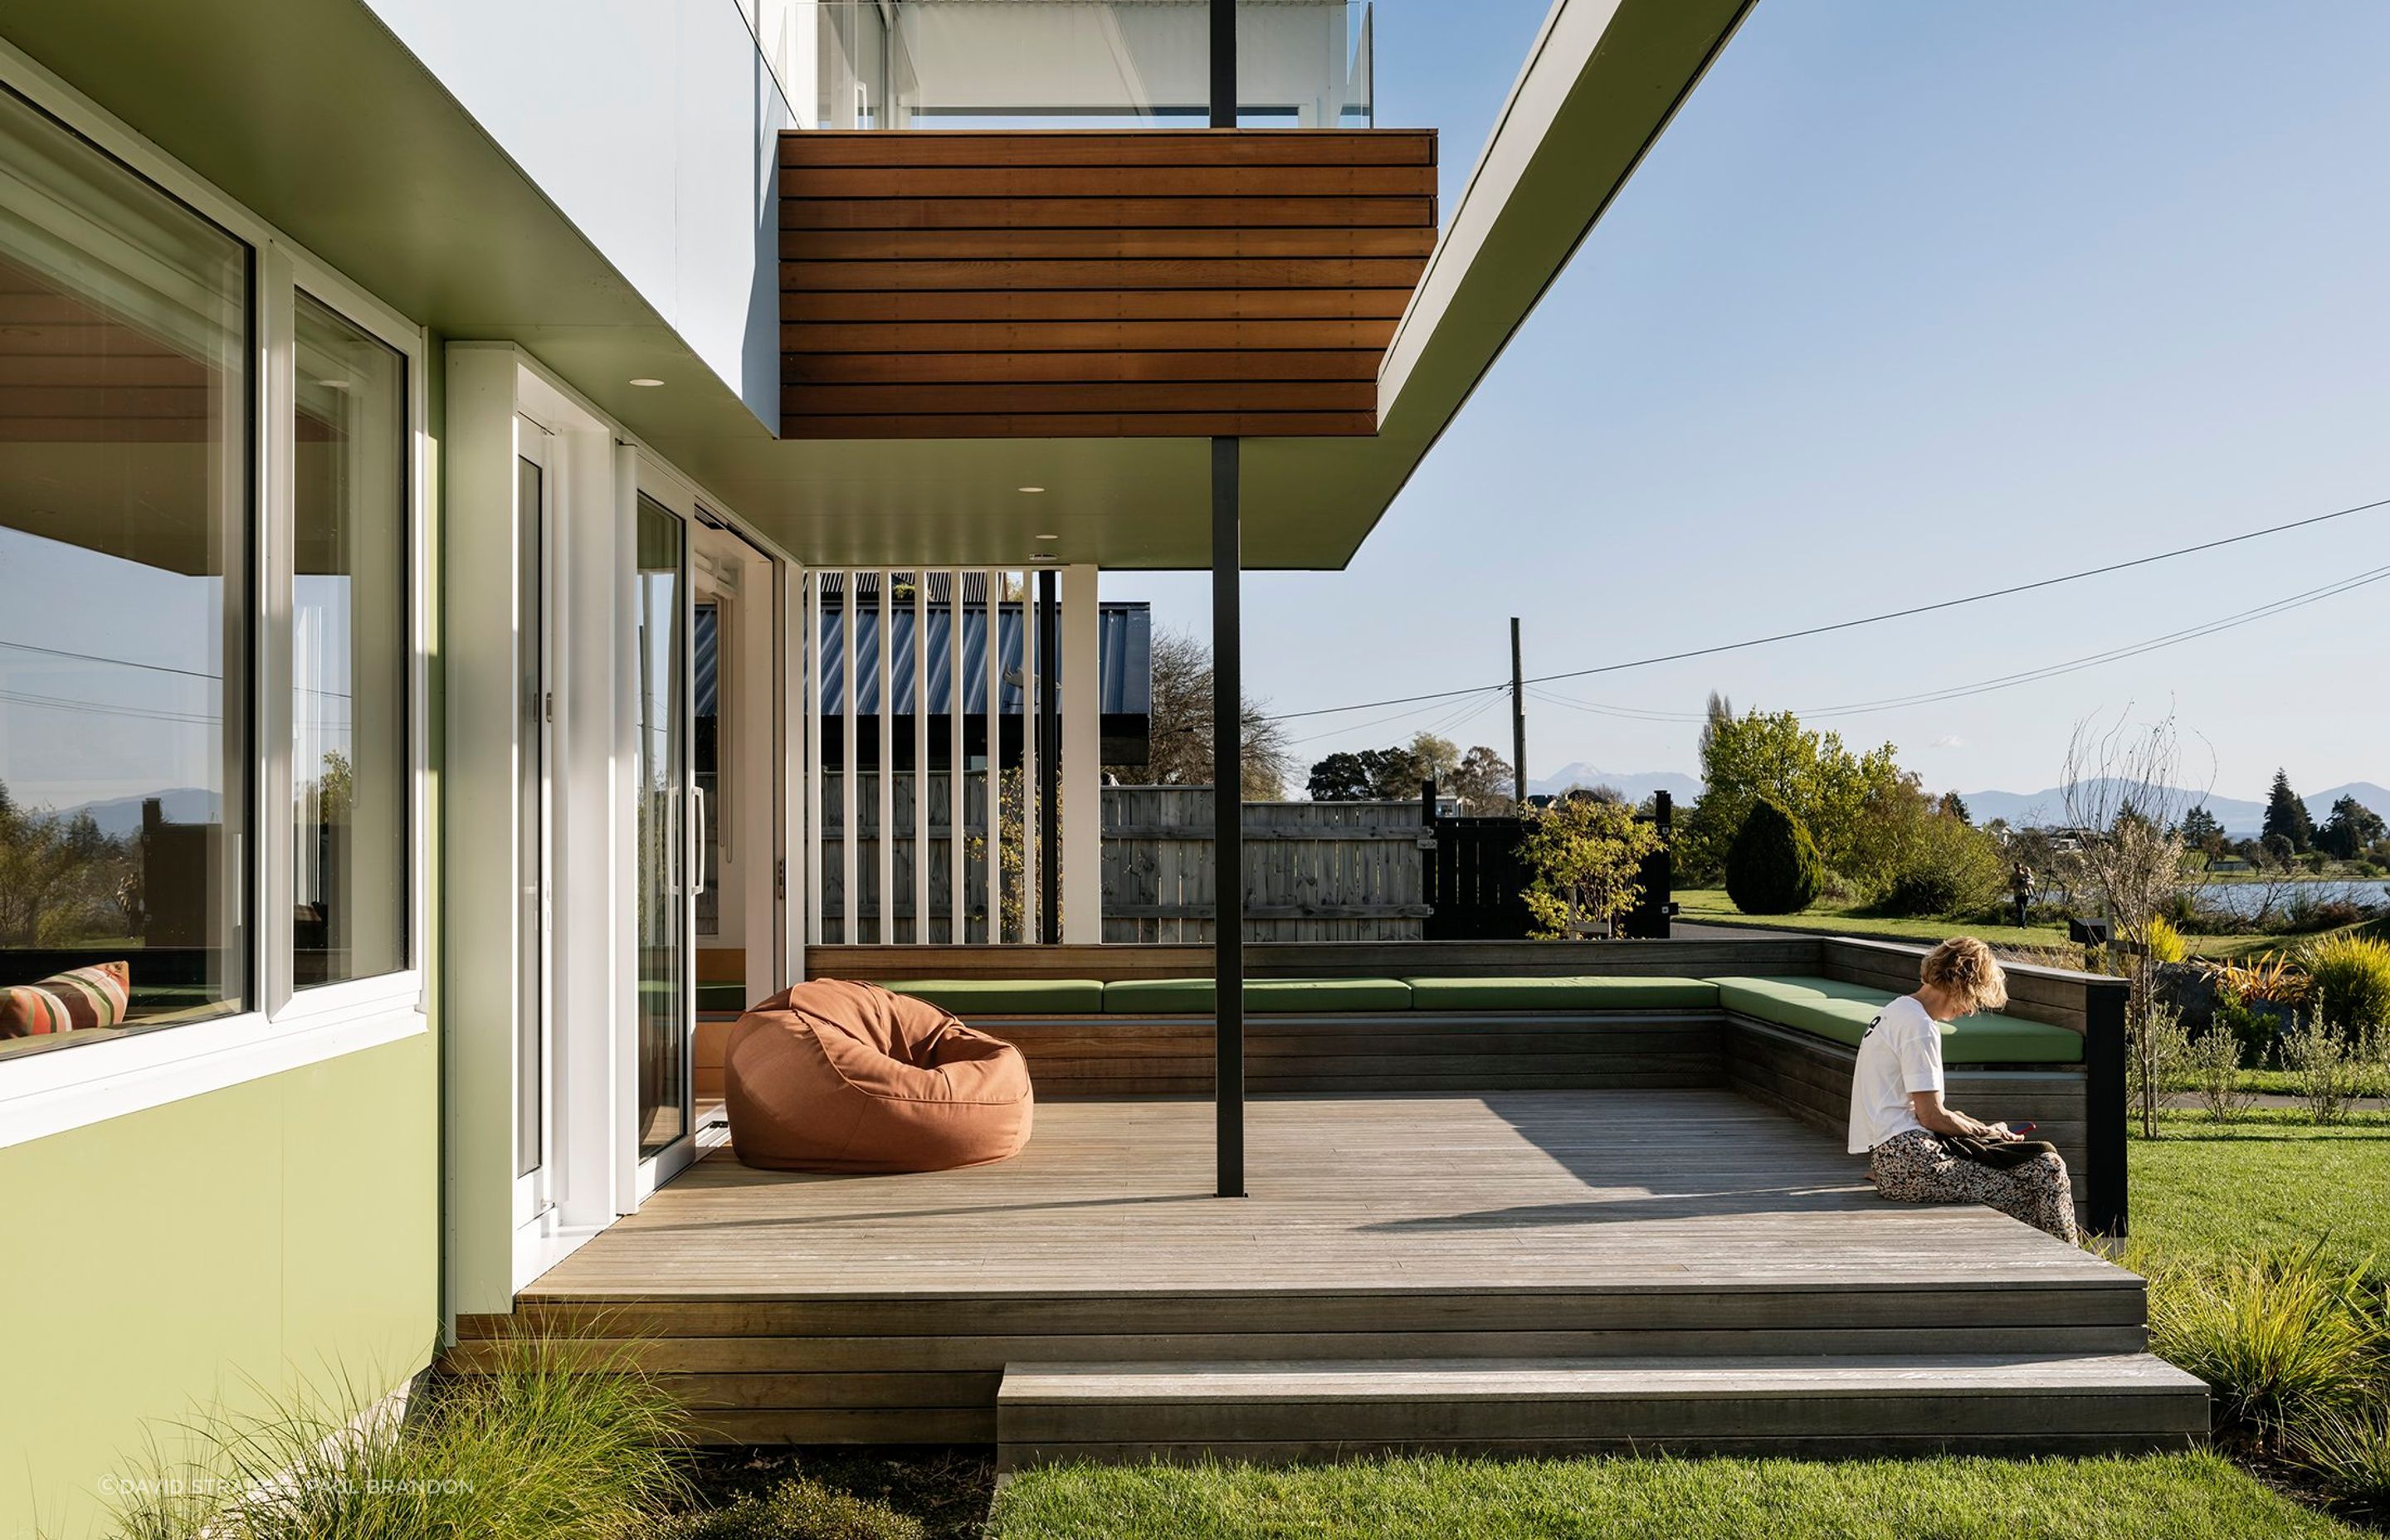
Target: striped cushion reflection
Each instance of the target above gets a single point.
(94, 997)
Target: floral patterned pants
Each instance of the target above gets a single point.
(1914, 1168)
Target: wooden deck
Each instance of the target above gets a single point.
(1573, 1224)
(1500, 1190)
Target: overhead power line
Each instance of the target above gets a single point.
(2006, 681)
(1989, 594)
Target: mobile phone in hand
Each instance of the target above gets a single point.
(2022, 1129)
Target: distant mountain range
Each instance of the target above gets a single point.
(2240, 818)
(122, 815)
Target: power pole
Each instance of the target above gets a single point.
(1518, 722)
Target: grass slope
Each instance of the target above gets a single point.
(1711, 907)
(2267, 1181)
(2169, 1497)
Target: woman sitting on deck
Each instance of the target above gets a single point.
(1918, 1149)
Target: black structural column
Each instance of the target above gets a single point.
(1227, 819)
(1228, 728)
(1049, 763)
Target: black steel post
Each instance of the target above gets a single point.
(1518, 723)
(1049, 763)
(1227, 821)
(1223, 63)
(2105, 1105)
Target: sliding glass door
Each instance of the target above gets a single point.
(667, 805)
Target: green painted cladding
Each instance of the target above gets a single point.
(277, 1234)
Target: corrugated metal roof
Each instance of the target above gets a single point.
(1125, 642)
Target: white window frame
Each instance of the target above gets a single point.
(74, 1085)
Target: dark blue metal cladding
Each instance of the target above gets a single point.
(1125, 645)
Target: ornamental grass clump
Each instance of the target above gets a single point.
(540, 1445)
(2348, 982)
(2348, 1448)
(2281, 1340)
(799, 1509)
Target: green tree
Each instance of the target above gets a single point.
(2351, 830)
(1584, 862)
(1772, 867)
(1434, 756)
(1833, 792)
(1341, 778)
(1955, 806)
(2286, 816)
(2201, 832)
(1484, 783)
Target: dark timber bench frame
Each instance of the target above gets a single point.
(2080, 1106)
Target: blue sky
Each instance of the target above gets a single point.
(1910, 302)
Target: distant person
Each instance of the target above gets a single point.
(1918, 1149)
(2020, 892)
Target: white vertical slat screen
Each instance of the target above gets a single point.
(810, 664)
(1030, 811)
(850, 821)
(956, 868)
(920, 759)
(989, 709)
(884, 926)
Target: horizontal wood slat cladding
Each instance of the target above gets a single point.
(1096, 284)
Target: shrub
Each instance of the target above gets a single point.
(2327, 1071)
(1943, 866)
(1584, 858)
(798, 1509)
(544, 1446)
(1772, 867)
(2277, 1340)
(2212, 1068)
(2156, 1044)
(2348, 1447)
(2166, 943)
(2348, 981)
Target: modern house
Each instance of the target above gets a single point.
(416, 417)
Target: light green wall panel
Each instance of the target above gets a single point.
(275, 1235)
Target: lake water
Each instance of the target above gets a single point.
(2245, 898)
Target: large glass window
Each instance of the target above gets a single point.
(348, 652)
(125, 620)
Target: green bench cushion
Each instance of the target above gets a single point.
(1841, 1012)
(968, 997)
(1589, 992)
(1263, 996)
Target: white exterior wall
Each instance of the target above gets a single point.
(652, 124)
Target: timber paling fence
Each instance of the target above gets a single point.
(1314, 871)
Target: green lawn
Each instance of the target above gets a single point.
(1711, 907)
(2271, 1180)
(2168, 1498)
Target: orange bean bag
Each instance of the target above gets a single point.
(833, 1076)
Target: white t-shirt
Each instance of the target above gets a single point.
(1901, 1053)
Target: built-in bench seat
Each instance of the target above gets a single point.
(970, 998)
(1840, 1013)
(1830, 1008)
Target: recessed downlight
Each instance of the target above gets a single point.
(1046, 537)
(1029, 489)
(647, 384)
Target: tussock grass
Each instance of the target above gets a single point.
(2280, 1340)
(2166, 1497)
(545, 1445)
(798, 1509)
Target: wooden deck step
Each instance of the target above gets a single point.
(1288, 1411)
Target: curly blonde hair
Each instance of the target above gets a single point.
(1966, 968)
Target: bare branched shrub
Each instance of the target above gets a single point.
(2122, 802)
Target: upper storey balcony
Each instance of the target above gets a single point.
(1023, 64)
(1079, 255)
